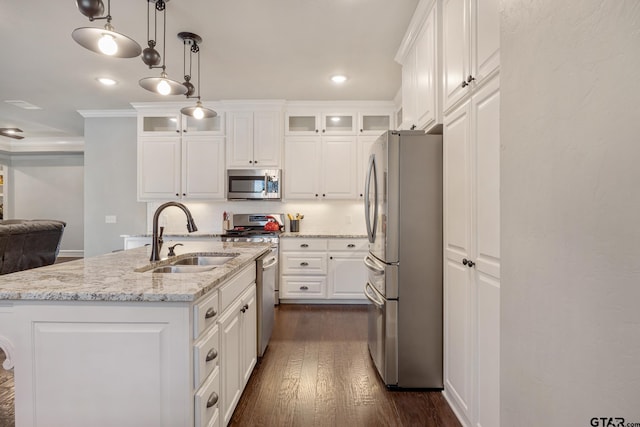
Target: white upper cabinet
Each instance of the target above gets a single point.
(471, 46)
(420, 73)
(320, 123)
(254, 139)
(320, 168)
(374, 123)
(172, 122)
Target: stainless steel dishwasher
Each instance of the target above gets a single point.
(266, 277)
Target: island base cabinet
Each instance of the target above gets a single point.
(238, 344)
(82, 364)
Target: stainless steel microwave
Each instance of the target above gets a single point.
(254, 184)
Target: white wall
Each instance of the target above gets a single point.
(110, 183)
(570, 177)
(50, 187)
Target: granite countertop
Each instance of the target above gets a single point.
(117, 276)
(323, 235)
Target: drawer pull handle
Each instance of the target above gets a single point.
(304, 288)
(210, 313)
(351, 245)
(213, 399)
(304, 264)
(304, 245)
(211, 355)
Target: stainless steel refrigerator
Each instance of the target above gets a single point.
(403, 212)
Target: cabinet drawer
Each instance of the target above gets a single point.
(237, 285)
(205, 313)
(348, 245)
(304, 263)
(296, 244)
(205, 356)
(303, 287)
(207, 401)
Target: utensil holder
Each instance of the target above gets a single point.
(294, 225)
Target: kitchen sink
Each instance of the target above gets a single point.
(183, 269)
(204, 260)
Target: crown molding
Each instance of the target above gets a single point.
(43, 145)
(417, 21)
(107, 113)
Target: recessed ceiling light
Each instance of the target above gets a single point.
(339, 79)
(106, 81)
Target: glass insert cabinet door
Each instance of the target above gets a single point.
(374, 124)
(172, 124)
(338, 124)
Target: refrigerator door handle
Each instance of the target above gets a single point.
(371, 173)
(373, 296)
(371, 265)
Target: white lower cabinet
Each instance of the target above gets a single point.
(322, 269)
(238, 344)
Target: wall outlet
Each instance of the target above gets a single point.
(110, 219)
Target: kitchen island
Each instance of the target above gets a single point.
(105, 341)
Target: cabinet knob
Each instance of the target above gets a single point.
(316, 130)
(212, 354)
(243, 309)
(324, 130)
(246, 306)
(185, 131)
(468, 262)
(255, 162)
(324, 195)
(250, 161)
(304, 264)
(361, 130)
(470, 78)
(213, 399)
(184, 194)
(177, 130)
(464, 84)
(304, 288)
(211, 312)
(361, 194)
(316, 194)
(330, 257)
(177, 195)
(413, 127)
(304, 245)
(351, 245)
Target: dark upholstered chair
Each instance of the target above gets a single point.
(26, 244)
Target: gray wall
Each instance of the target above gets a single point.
(50, 187)
(110, 183)
(570, 129)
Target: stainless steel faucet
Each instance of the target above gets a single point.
(155, 242)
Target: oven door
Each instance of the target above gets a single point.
(253, 184)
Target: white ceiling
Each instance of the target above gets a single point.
(252, 49)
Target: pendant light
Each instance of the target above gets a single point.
(199, 111)
(103, 40)
(163, 84)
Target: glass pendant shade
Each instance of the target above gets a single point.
(163, 85)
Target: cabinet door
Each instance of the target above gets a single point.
(458, 291)
(161, 124)
(249, 333)
(302, 166)
(485, 130)
(267, 139)
(364, 145)
(339, 124)
(240, 139)
(485, 38)
(230, 325)
(203, 168)
(374, 124)
(409, 90)
(338, 174)
(305, 123)
(425, 48)
(347, 275)
(455, 52)
(159, 168)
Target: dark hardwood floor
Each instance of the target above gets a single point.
(316, 372)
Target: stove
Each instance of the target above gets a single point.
(250, 228)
